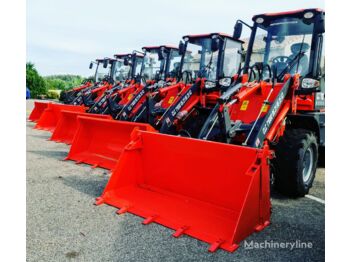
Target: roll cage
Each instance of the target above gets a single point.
(165, 55)
(134, 61)
(214, 44)
(104, 63)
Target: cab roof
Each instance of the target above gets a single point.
(293, 13)
(121, 56)
(103, 59)
(210, 35)
(149, 48)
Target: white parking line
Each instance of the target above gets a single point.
(319, 200)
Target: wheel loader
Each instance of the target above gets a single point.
(68, 97)
(127, 72)
(268, 124)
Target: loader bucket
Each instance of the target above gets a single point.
(217, 193)
(67, 125)
(52, 113)
(99, 142)
(37, 111)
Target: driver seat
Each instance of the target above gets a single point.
(303, 67)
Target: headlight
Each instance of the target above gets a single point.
(259, 20)
(308, 15)
(209, 84)
(309, 83)
(225, 81)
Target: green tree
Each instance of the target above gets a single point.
(63, 82)
(34, 81)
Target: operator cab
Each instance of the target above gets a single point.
(128, 66)
(215, 57)
(288, 42)
(161, 62)
(104, 69)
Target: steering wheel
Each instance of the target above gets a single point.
(281, 63)
(281, 60)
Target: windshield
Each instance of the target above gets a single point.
(285, 44)
(138, 66)
(232, 57)
(199, 60)
(102, 72)
(175, 61)
(152, 64)
(121, 71)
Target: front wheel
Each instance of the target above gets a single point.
(296, 162)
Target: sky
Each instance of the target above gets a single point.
(63, 36)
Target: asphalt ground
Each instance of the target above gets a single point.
(64, 225)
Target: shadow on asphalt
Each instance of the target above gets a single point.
(42, 136)
(51, 154)
(276, 195)
(92, 186)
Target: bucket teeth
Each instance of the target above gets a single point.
(148, 220)
(122, 210)
(215, 246)
(99, 201)
(180, 231)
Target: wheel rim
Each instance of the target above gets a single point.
(308, 164)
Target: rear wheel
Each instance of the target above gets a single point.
(296, 162)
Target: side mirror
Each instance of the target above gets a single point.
(237, 32)
(91, 65)
(182, 48)
(105, 63)
(215, 44)
(126, 61)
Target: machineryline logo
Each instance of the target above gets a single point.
(271, 244)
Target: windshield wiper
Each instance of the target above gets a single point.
(293, 61)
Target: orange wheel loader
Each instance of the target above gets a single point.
(266, 125)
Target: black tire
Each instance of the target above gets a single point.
(296, 148)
